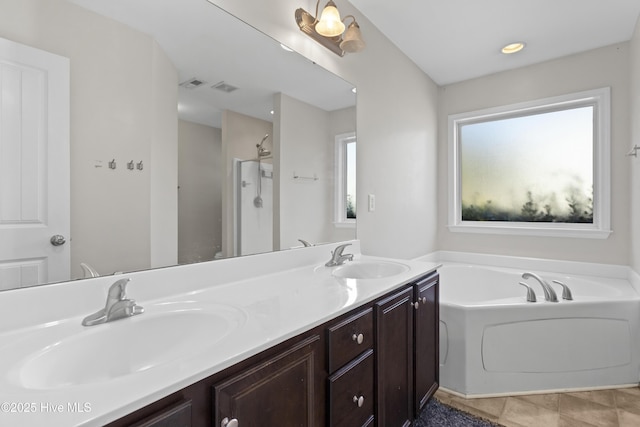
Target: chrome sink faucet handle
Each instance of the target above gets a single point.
(337, 258)
(116, 307)
(549, 293)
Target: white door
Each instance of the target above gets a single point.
(34, 166)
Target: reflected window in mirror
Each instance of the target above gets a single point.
(345, 191)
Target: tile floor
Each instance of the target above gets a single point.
(619, 407)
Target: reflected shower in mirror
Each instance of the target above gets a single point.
(169, 108)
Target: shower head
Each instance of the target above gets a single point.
(263, 152)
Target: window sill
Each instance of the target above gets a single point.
(547, 230)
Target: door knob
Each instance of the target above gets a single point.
(57, 240)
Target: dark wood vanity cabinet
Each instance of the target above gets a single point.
(407, 323)
(376, 365)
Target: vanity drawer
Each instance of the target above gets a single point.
(349, 338)
(351, 393)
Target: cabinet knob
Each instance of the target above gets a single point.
(229, 422)
(423, 300)
(359, 338)
(416, 305)
(358, 401)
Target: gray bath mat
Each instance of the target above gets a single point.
(437, 414)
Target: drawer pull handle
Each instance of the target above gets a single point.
(358, 401)
(229, 422)
(359, 338)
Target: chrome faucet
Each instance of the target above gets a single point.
(549, 293)
(337, 258)
(117, 307)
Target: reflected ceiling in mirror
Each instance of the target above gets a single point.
(215, 49)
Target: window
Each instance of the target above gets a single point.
(537, 168)
(345, 194)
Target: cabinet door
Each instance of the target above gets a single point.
(178, 415)
(426, 340)
(281, 391)
(394, 370)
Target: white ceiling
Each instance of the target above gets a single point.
(456, 40)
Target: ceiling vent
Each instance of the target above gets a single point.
(192, 83)
(224, 87)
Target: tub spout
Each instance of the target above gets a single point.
(566, 292)
(549, 293)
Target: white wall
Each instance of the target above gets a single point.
(200, 172)
(396, 126)
(634, 214)
(302, 140)
(115, 107)
(608, 66)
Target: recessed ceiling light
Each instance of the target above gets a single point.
(513, 48)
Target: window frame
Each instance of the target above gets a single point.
(340, 193)
(600, 99)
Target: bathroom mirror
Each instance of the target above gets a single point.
(155, 186)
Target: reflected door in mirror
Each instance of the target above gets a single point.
(34, 166)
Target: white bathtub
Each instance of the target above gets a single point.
(494, 342)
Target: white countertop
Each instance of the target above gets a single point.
(267, 298)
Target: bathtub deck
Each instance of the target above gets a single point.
(616, 407)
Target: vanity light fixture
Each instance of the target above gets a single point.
(512, 48)
(329, 29)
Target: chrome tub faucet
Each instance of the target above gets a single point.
(549, 293)
(117, 306)
(337, 258)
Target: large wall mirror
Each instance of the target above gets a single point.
(193, 137)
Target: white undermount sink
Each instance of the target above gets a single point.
(369, 269)
(127, 346)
